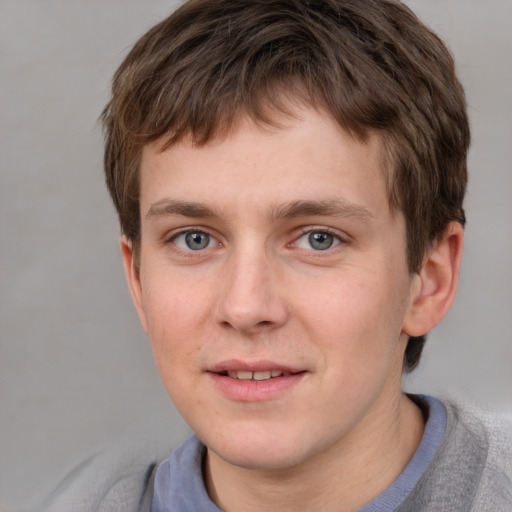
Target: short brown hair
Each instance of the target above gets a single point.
(370, 63)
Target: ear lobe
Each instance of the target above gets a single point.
(437, 282)
(133, 278)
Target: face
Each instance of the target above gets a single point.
(274, 287)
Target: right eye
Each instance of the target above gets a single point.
(194, 240)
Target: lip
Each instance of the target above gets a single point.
(251, 366)
(252, 390)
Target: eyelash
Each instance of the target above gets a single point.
(339, 239)
(191, 253)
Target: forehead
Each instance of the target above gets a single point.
(304, 157)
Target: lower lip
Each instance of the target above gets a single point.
(255, 390)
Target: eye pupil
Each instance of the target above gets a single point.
(197, 241)
(320, 241)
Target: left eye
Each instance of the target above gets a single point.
(194, 241)
(317, 240)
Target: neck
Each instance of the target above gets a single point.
(342, 478)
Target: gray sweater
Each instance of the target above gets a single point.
(471, 471)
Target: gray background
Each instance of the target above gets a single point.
(76, 370)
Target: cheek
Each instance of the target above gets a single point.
(173, 301)
(344, 307)
(356, 333)
(175, 315)
(355, 322)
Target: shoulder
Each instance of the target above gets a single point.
(119, 478)
(491, 431)
(494, 490)
(472, 468)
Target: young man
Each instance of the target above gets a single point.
(289, 178)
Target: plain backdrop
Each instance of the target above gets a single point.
(76, 371)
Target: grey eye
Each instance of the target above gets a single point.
(320, 241)
(317, 240)
(195, 241)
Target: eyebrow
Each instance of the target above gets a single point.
(299, 208)
(328, 208)
(166, 207)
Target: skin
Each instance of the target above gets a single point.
(261, 294)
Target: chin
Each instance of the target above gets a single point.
(254, 458)
(270, 449)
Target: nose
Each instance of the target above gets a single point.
(250, 298)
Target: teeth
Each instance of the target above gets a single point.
(263, 375)
(244, 375)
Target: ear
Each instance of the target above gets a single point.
(435, 285)
(133, 279)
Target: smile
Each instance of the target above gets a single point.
(258, 375)
(256, 381)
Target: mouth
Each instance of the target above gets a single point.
(253, 370)
(256, 375)
(256, 381)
